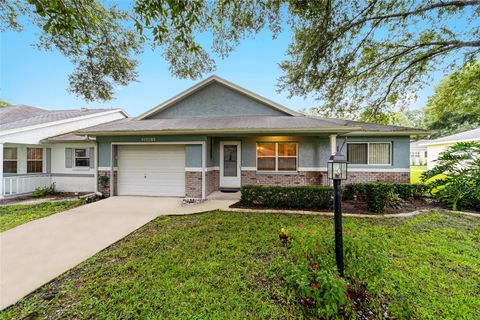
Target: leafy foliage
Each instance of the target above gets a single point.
(455, 179)
(378, 196)
(3, 103)
(455, 105)
(45, 191)
(406, 191)
(302, 197)
(311, 274)
(360, 57)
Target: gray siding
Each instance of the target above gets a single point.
(216, 100)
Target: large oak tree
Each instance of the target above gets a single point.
(354, 56)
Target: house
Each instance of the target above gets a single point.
(418, 153)
(437, 146)
(36, 148)
(219, 136)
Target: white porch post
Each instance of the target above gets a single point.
(204, 163)
(333, 143)
(1, 171)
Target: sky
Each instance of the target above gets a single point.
(40, 78)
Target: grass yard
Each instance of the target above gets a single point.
(230, 266)
(15, 215)
(415, 172)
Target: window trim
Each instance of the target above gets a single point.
(276, 156)
(10, 160)
(368, 153)
(87, 156)
(36, 160)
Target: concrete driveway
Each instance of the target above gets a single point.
(34, 253)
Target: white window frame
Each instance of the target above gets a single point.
(276, 156)
(11, 160)
(87, 156)
(368, 153)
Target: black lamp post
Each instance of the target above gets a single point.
(337, 171)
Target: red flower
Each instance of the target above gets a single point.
(315, 267)
(301, 226)
(315, 285)
(335, 277)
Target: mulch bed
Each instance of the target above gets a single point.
(360, 206)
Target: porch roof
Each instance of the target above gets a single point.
(243, 124)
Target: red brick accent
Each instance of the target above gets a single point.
(301, 178)
(105, 190)
(362, 177)
(213, 181)
(193, 184)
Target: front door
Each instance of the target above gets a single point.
(230, 164)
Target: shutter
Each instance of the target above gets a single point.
(68, 158)
(49, 160)
(92, 157)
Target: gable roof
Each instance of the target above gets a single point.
(471, 135)
(215, 79)
(21, 118)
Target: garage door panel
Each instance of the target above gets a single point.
(154, 170)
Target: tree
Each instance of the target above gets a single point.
(455, 105)
(455, 179)
(353, 56)
(3, 103)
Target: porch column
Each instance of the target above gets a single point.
(204, 168)
(333, 143)
(1, 171)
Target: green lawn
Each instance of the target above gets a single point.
(14, 215)
(230, 265)
(415, 172)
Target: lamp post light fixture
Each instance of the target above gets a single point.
(337, 171)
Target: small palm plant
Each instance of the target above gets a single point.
(455, 179)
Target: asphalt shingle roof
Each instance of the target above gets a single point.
(24, 116)
(470, 135)
(240, 123)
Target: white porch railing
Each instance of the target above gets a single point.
(22, 184)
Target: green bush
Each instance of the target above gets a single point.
(45, 191)
(302, 197)
(405, 191)
(379, 195)
(311, 277)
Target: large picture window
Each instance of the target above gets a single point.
(82, 159)
(376, 153)
(34, 160)
(277, 156)
(9, 160)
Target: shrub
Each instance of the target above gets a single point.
(45, 191)
(379, 195)
(455, 179)
(104, 181)
(304, 197)
(311, 276)
(352, 190)
(405, 191)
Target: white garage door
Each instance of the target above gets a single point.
(151, 170)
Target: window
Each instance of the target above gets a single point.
(10, 160)
(34, 160)
(376, 153)
(81, 158)
(277, 156)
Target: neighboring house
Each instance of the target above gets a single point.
(418, 153)
(437, 146)
(37, 150)
(217, 135)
